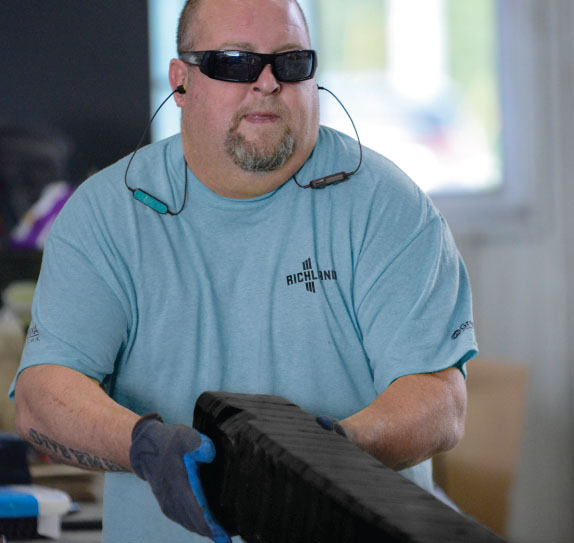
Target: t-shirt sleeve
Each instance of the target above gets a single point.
(78, 320)
(414, 305)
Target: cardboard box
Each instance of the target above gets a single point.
(11, 345)
(478, 474)
(81, 485)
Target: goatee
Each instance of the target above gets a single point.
(258, 158)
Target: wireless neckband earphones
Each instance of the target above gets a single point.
(334, 178)
(141, 195)
(161, 207)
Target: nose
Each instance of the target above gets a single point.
(267, 82)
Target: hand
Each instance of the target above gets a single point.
(167, 456)
(331, 424)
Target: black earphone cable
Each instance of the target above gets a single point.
(323, 182)
(143, 196)
(161, 207)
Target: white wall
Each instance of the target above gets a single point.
(522, 274)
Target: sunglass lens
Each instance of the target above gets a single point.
(235, 66)
(294, 66)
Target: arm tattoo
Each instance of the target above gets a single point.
(60, 453)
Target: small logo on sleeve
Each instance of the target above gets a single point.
(33, 334)
(309, 276)
(468, 325)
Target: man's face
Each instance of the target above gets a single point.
(258, 126)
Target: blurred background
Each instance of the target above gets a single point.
(472, 98)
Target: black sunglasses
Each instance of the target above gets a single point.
(246, 67)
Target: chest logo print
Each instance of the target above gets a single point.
(309, 276)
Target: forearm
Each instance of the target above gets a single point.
(69, 417)
(415, 418)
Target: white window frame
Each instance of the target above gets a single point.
(509, 210)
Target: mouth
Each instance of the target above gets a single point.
(259, 117)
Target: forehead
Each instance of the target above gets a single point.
(258, 25)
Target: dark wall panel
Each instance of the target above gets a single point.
(79, 66)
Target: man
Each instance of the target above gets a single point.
(351, 301)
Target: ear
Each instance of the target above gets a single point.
(178, 76)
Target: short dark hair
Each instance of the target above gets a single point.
(184, 37)
(184, 40)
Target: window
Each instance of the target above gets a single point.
(420, 79)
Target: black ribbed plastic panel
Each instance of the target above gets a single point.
(279, 477)
(14, 529)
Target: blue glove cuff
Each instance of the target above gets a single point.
(205, 453)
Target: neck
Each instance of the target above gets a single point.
(225, 178)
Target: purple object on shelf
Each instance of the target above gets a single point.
(33, 228)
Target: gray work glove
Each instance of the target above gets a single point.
(331, 424)
(167, 456)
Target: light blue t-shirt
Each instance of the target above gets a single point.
(323, 296)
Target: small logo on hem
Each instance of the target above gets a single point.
(33, 334)
(468, 325)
